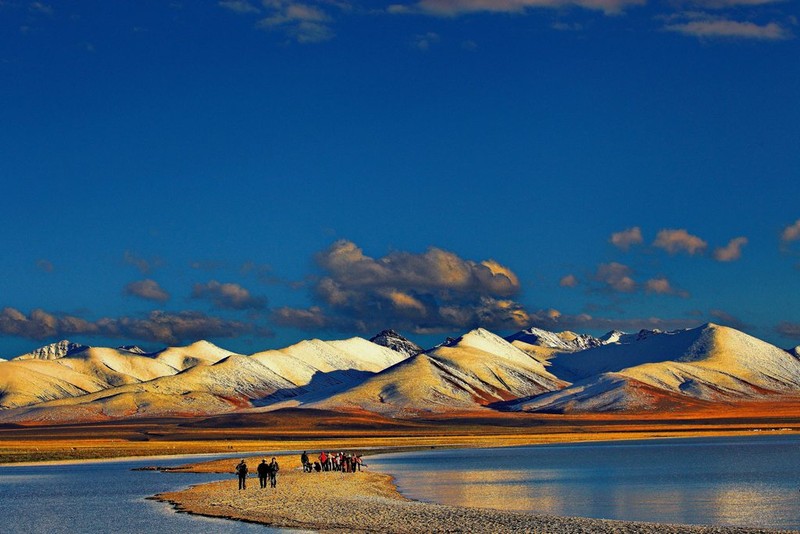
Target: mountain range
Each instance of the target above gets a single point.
(530, 371)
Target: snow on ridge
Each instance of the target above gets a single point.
(568, 341)
(394, 341)
(710, 363)
(53, 351)
(630, 350)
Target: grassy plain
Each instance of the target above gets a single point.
(294, 429)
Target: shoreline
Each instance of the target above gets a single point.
(370, 501)
(62, 452)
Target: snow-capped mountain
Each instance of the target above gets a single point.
(567, 341)
(53, 351)
(133, 348)
(394, 341)
(199, 379)
(319, 368)
(466, 374)
(653, 370)
(31, 381)
(533, 370)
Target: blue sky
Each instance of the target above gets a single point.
(256, 173)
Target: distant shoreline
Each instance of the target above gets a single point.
(63, 452)
(371, 502)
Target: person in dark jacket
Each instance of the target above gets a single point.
(241, 472)
(304, 461)
(273, 472)
(263, 473)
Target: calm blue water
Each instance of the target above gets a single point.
(750, 481)
(102, 498)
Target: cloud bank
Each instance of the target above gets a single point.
(429, 292)
(157, 326)
(790, 330)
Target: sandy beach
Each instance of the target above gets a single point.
(369, 502)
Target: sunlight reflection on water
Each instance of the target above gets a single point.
(102, 498)
(728, 481)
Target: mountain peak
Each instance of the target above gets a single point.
(566, 341)
(135, 349)
(392, 340)
(53, 351)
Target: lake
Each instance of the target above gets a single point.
(747, 481)
(103, 497)
(750, 481)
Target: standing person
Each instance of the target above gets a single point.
(305, 462)
(273, 472)
(263, 473)
(241, 472)
(323, 460)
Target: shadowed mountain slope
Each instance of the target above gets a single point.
(473, 371)
(201, 379)
(659, 369)
(92, 369)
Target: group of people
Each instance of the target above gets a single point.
(266, 471)
(343, 462)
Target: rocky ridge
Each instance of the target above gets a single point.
(53, 351)
(392, 340)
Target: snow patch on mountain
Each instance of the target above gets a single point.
(468, 373)
(135, 349)
(392, 340)
(566, 341)
(53, 351)
(706, 364)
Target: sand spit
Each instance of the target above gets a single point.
(370, 502)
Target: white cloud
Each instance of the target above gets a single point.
(147, 289)
(41, 7)
(45, 265)
(616, 276)
(791, 232)
(228, 296)
(143, 265)
(662, 286)
(450, 8)
(425, 41)
(674, 241)
(732, 251)
(732, 29)
(239, 6)
(569, 280)
(303, 22)
(625, 239)
(725, 4)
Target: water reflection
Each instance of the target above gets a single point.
(101, 498)
(728, 481)
(737, 504)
